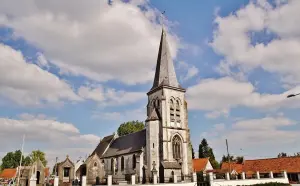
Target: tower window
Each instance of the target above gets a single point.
(177, 111)
(172, 116)
(176, 143)
(153, 145)
(95, 164)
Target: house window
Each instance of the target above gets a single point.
(66, 171)
(176, 143)
(122, 163)
(133, 161)
(172, 114)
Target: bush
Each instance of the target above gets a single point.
(271, 184)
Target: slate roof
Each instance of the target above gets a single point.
(171, 165)
(127, 144)
(102, 146)
(200, 164)
(165, 71)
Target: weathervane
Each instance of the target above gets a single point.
(162, 18)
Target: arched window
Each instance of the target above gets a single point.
(176, 143)
(133, 161)
(112, 165)
(122, 163)
(117, 164)
(177, 111)
(172, 117)
(95, 164)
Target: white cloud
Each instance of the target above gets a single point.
(110, 96)
(191, 70)
(248, 137)
(28, 84)
(45, 134)
(217, 113)
(128, 115)
(226, 93)
(281, 55)
(91, 39)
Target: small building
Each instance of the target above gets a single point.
(202, 165)
(36, 170)
(65, 171)
(264, 166)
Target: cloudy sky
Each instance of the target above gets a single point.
(72, 71)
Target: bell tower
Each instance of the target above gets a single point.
(167, 125)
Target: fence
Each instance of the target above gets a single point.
(224, 179)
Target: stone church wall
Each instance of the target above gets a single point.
(128, 165)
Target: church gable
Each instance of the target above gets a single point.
(103, 145)
(67, 163)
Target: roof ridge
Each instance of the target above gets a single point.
(273, 158)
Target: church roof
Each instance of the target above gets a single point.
(165, 72)
(127, 144)
(102, 146)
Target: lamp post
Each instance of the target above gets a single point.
(292, 95)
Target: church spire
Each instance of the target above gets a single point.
(165, 72)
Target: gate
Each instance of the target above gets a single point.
(202, 180)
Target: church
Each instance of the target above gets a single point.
(162, 146)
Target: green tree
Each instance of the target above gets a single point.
(37, 154)
(226, 158)
(12, 160)
(207, 152)
(238, 159)
(130, 127)
(192, 150)
(282, 154)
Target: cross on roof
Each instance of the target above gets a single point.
(162, 18)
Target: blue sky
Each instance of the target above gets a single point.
(70, 74)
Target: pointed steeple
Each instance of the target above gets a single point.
(165, 72)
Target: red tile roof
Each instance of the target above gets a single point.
(8, 173)
(200, 164)
(232, 166)
(276, 165)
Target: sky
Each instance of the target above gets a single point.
(71, 72)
